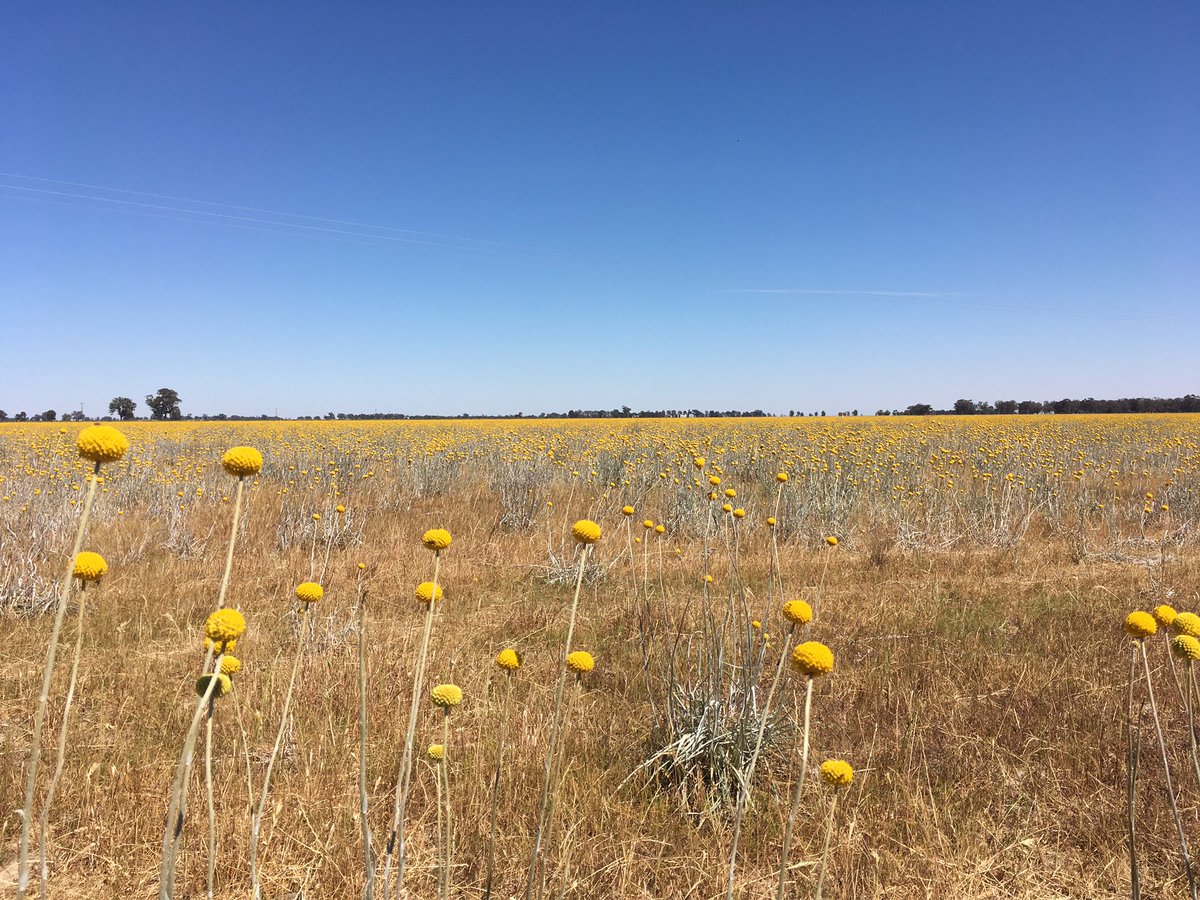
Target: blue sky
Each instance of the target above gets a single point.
(540, 206)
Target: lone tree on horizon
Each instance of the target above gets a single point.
(164, 404)
(122, 407)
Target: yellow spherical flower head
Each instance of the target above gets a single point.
(730, 493)
(436, 752)
(436, 539)
(660, 529)
(230, 665)
(445, 696)
(508, 659)
(101, 443)
(781, 477)
(837, 772)
(1140, 625)
(1164, 615)
(427, 592)
(222, 687)
(1187, 623)
(627, 510)
(1185, 647)
(771, 521)
(223, 626)
(340, 509)
(309, 592)
(648, 523)
(699, 462)
(585, 531)
(714, 480)
(831, 541)
(89, 566)
(812, 658)
(242, 461)
(580, 661)
(739, 513)
(798, 612)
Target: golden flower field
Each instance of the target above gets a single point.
(968, 734)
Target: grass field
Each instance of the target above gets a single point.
(973, 601)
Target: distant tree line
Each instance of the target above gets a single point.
(1186, 404)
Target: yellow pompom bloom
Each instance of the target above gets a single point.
(242, 461)
(1187, 623)
(89, 566)
(812, 658)
(781, 477)
(580, 661)
(508, 659)
(831, 541)
(699, 462)
(727, 507)
(739, 513)
(585, 531)
(1139, 625)
(230, 665)
(771, 521)
(627, 510)
(837, 772)
(224, 625)
(101, 443)
(309, 592)
(1164, 615)
(648, 523)
(660, 529)
(340, 509)
(446, 695)
(223, 685)
(1185, 647)
(714, 480)
(436, 752)
(798, 612)
(436, 539)
(426, 591)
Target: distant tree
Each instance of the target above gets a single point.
(919, 409)
(1029, 407)
(3, 416)
(964, 407)
(854, 412)
(22, 416)
(76, 415)
(1006, 407)
(49, 415)
(164, 404)
(123, 407)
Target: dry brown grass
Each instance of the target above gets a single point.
(979, 693)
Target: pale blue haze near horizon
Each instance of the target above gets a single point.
(668, 205)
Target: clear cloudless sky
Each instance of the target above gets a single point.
(501, 207)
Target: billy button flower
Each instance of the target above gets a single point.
(1140, 625)
(585, 531)
(309, 592)
(242, 462)
(89, 567)
(101, 444)
(436, 539)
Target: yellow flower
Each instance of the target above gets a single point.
(90, 566)
(1187, 623)
(781, 477)
(230, 665)
(726, 507)
(508, 659)
(730, 493)
(436, 752)
(739, 513)
(627, 510)
(771, 521)
(446, 695)
(242, 461)
(340, 509)
(648, 523)
(1140, 625)
(220, 646)
(699, 462)
(714, 480)
(660, 529)
(580, 661)
(425, 592)
(222, 687)
(586, 531)
(798, 612)
(1164, 615)
(309, 592)
(101, 443)
(708, 579)
(436, 539)
(837, 772)
(224, 625)
(755, 624)
(812, 658)
(831, 541)
(1185, 647)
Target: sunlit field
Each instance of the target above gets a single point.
(970, 575)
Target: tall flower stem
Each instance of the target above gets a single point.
(256, 823)
(551, 750)
(208, 789)
(1162, 745)
(403, 776)
(491, 853)
(1135, 879)
(39, 718)
(233, 533)
(62, 748)
(449, 853)
(363, 802)
(796, 794)
(747, 779)
(825, 848)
